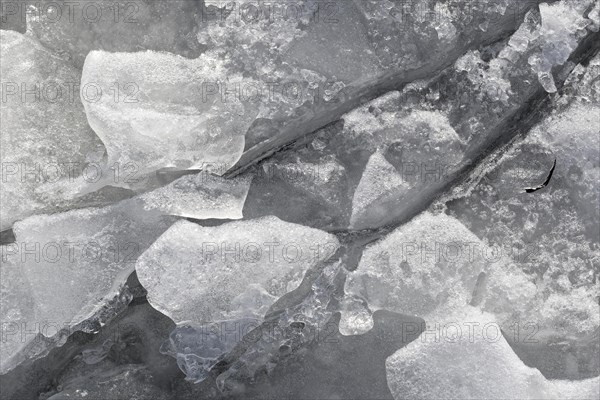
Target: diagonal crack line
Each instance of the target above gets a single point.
(515, 123)
(363, 91)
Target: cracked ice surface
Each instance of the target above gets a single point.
(87, 255)
(395, 184)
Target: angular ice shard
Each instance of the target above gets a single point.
(415, 269)
(431, 262)
(420, 147)
(379, 179)
(157, 110)
(45, 141)
(83, 255)
(73, 29)
(195, 274)
(464, 355)
(28, 333)
(200, 196)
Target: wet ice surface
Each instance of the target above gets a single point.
(357, 199)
